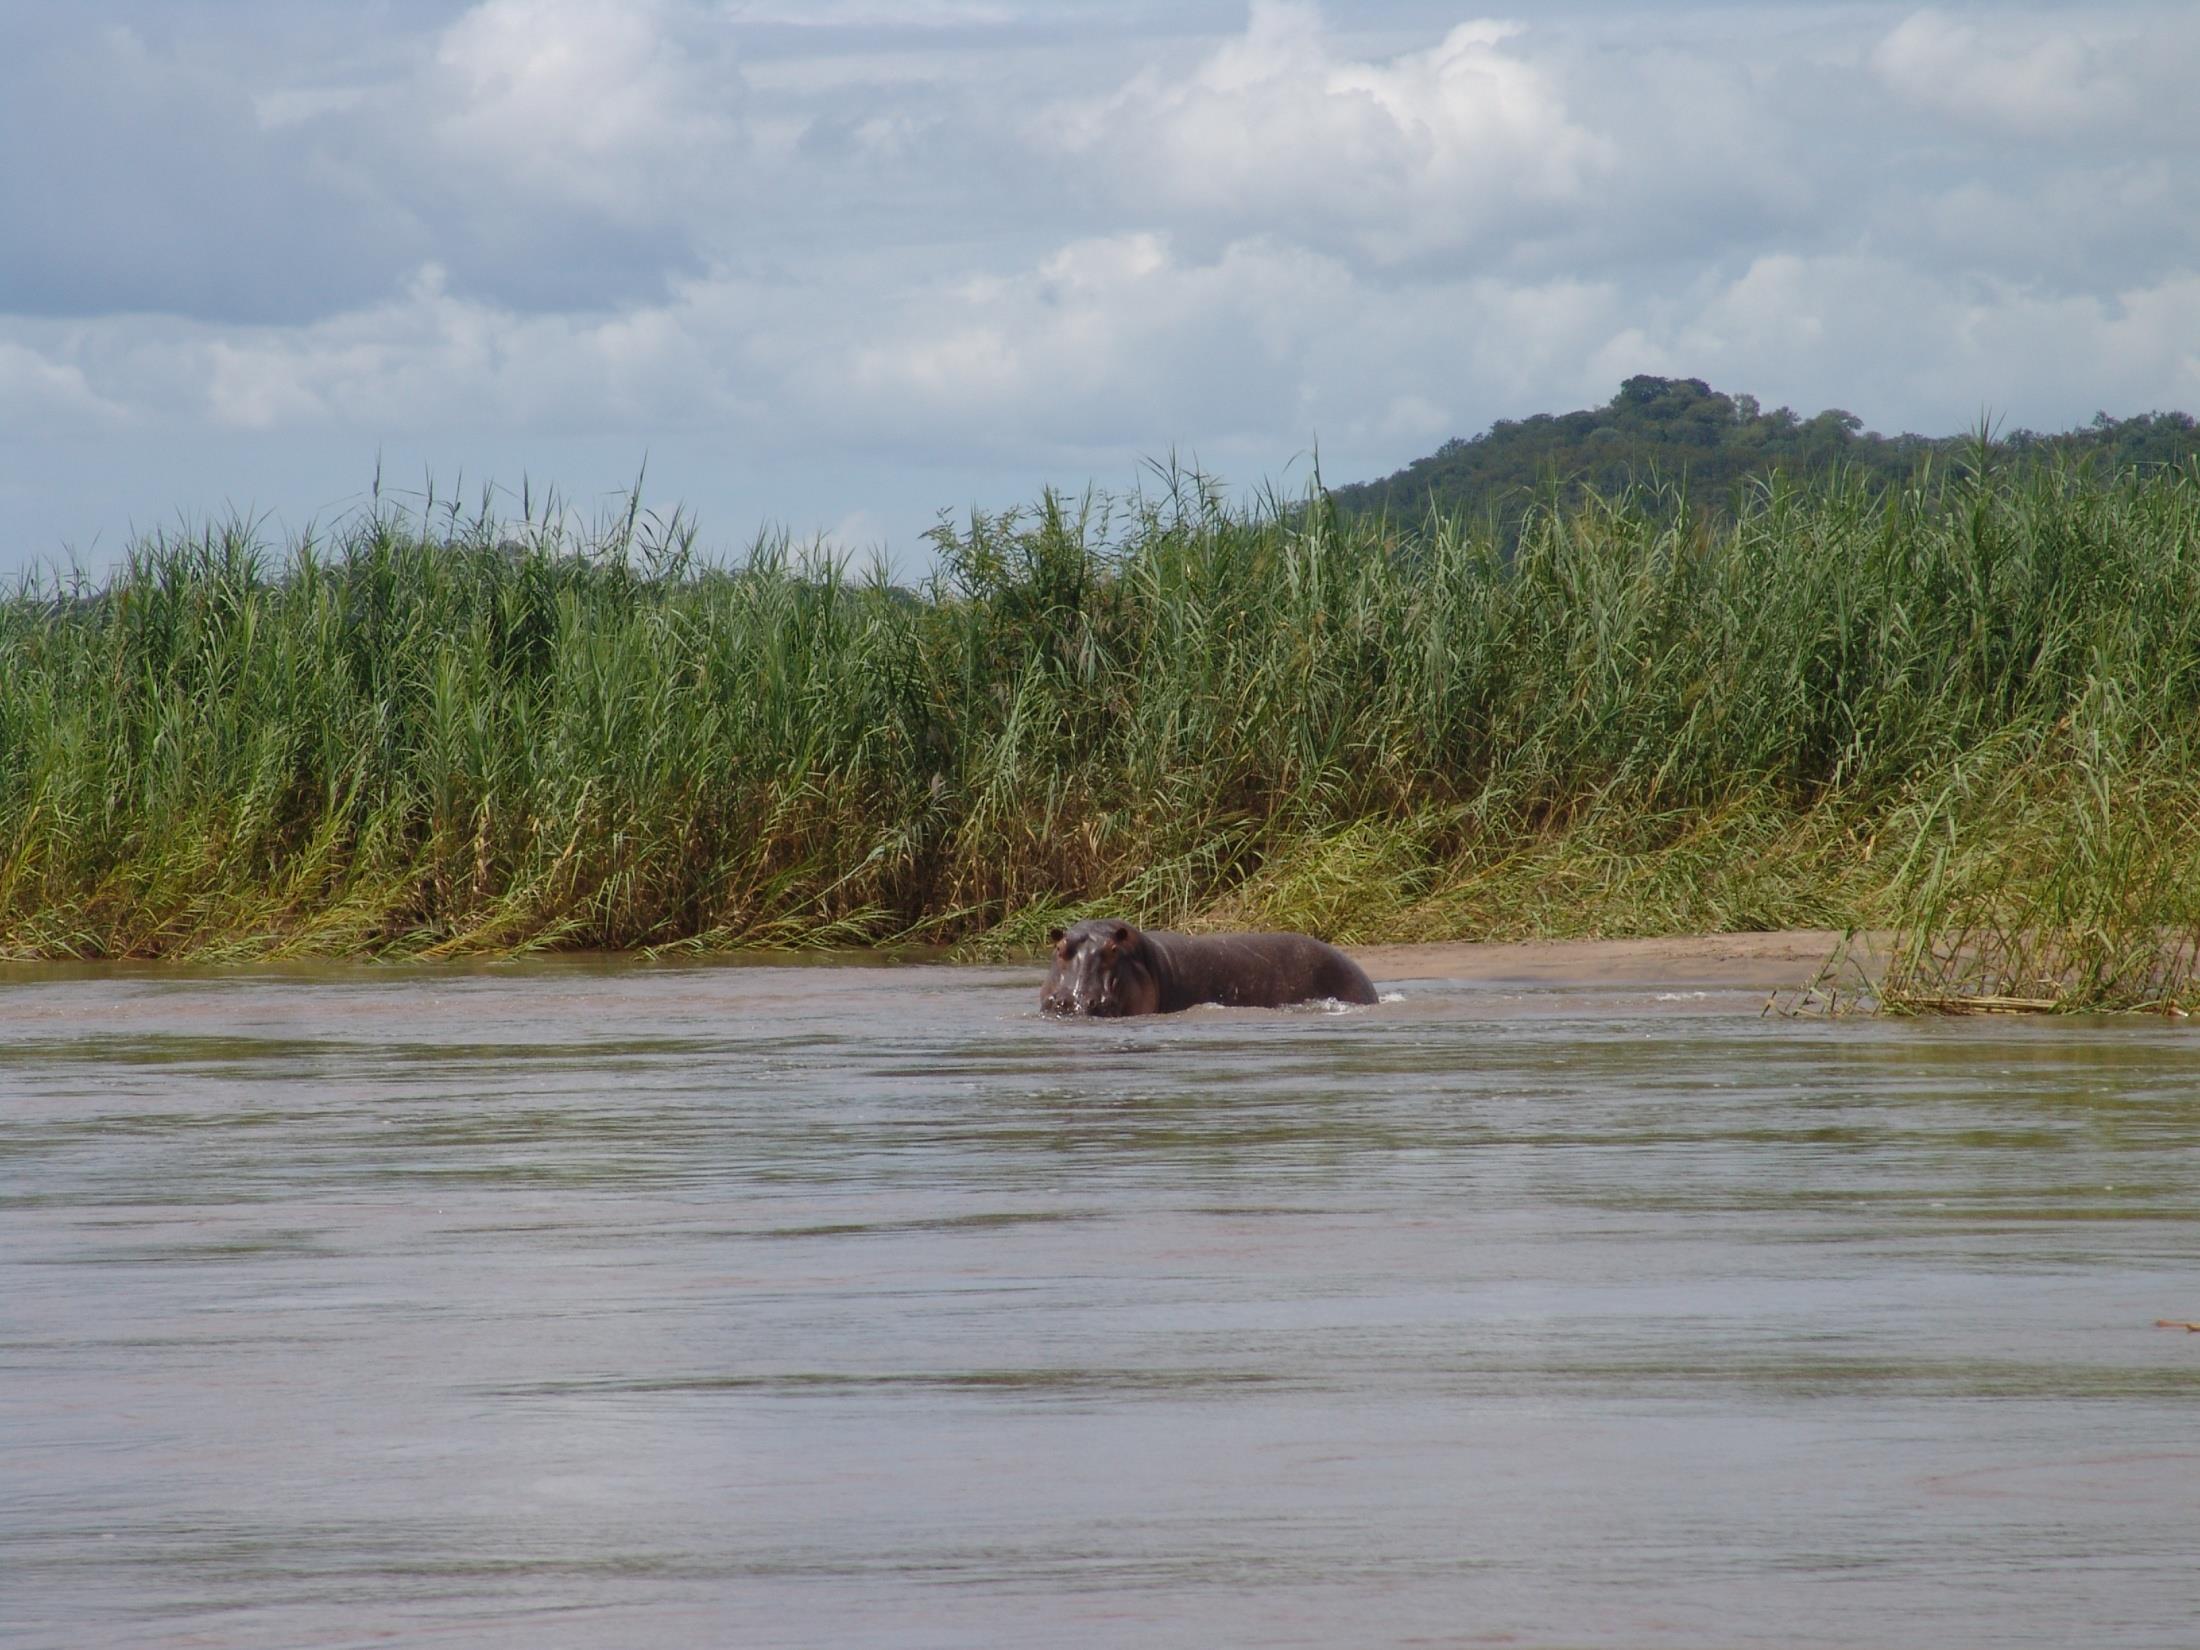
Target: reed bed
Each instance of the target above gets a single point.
(1966, 711)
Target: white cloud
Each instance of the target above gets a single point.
(856, 534)
(296, 105)
(2044, 76)
(1129, 344)
(424, 360)
(1100, 337)
(1432, 149)
(1124, 343)
(622, 105)
(1102, 349)
(35, 392)
(868, 14)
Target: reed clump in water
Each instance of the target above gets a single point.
(1966, 711)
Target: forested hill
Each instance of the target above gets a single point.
(1682, 430)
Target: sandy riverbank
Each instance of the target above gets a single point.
(1765, 962)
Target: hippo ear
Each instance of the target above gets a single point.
(1055, 936)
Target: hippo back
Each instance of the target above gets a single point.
(1254, 971)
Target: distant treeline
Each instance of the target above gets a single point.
(1683, 434)
(1969, 713)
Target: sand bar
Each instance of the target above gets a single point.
(1777, 961)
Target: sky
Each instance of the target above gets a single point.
(837, 266)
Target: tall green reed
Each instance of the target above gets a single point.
(1963, 709)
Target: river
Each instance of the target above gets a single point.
(607, 1304)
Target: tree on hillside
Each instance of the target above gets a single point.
(1683, 433)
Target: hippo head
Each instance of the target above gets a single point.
(1103, 968)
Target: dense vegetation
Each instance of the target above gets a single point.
(1971, 711)
(1681, 432)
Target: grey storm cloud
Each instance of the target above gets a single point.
(839, 263)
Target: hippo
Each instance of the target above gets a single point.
(1110, 968)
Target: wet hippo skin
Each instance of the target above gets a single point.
(1106, 967)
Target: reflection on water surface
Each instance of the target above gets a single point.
(592, 1304)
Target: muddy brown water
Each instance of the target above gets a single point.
(587, 1305)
